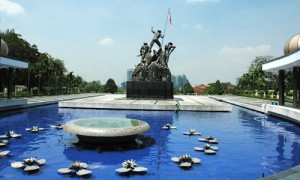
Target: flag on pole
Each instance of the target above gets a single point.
(169, 14)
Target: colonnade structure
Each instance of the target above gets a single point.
(10, 64)
(290, 61)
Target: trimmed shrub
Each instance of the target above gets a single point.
(35, 90)
(261, 93)
(290, 93)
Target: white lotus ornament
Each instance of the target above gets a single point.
(209, 139)
(207, 148)
(186, 161)
(3, 143)
(129, 166)
(29, 164)
(168, 127)
(34, 129)
(77, 167)
(4, 153)
(10, 134)
(57, 126)
(192, 132)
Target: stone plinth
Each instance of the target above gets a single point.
(150, 90)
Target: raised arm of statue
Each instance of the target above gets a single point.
(152, 30)
(172, 49)
(141, 50)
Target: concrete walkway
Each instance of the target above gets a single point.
(263, 106)
(17, 103)
(44, 100)
(246, 102)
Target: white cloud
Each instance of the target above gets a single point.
(198, 27)
(105, 41)
(249, 49)
(201, 1)
(10, 8)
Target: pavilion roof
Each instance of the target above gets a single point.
(6, 62)
(285, 62)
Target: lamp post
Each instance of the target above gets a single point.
(0, 41)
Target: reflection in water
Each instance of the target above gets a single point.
(284, 124)
(263, 127)
(176, 116)
(280, 147)
(295, 153)
(85, 151)
(139, 142)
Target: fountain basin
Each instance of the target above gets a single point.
(106, 130)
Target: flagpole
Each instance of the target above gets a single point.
(162, 42)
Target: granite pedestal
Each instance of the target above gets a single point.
(149, 90)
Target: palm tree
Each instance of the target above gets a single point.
(59, 71)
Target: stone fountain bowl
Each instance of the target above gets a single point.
(106, 130)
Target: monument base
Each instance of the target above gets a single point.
(149, 90)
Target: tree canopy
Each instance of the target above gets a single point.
(187, 88)
(216, 88)
(110, 86)
(94, 86)
(44, 72)
(256, 78)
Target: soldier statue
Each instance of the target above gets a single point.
(169, 48)
(144, 50)
(155, 38)
(154, 63)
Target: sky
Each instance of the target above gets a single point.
(100, 39)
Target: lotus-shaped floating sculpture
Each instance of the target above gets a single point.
(3, 143)
(34, 129)
(10, 134)
(192, 132)
(57, 126)
(77, 167)
(130, 166)
(209, 139)
(168, 127)
(207, 148)
(4, 153)
(29, 164)
(186, 161)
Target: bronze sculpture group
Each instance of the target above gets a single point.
(154, 64)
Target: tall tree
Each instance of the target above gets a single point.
(94, 86)
(187, 88)
(110, 86)
(256, 78)
(44, 72)
(216, 88)
(20, 49)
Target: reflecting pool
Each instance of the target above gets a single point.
(250, 144)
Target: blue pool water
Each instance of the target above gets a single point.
(249, 144)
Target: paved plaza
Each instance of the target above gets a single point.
(119, 101)
(41, 100)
